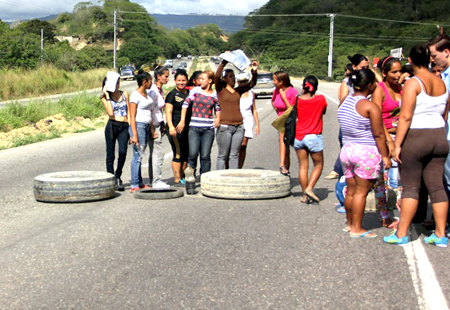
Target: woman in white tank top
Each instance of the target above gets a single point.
(421, 147)
(249, 115)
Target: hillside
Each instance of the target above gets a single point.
(299, 44)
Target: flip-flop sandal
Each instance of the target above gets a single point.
(311, 196)
(341, 210)
(284, 171)
(365, 235)
(345, 230)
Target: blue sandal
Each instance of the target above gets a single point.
(365, 235)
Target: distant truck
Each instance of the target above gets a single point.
(127, 72)
(168, 63)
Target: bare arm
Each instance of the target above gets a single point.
(168, 111)
(284, 98)
(255, 117)
(127, 98)
(343, 92)
(107, 103)
(370, 110)
(134, 138)
(218, 76)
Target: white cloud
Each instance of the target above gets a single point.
(26, 9)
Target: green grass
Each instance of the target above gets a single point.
(14, 115)
(28, 139)
(46, 80)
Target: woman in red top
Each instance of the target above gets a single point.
(308, 136)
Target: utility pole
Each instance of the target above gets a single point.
(42, 45)
(115, 39)
(330, 52)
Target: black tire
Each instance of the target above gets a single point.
(74, 186)
(153, 194)
(245, 184)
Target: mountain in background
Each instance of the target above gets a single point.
(230, 24)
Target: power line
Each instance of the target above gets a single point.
(392, 20)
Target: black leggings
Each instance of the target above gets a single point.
(179, 144)
(115, 130)
(424, 152)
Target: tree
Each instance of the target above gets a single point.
(19, 50)
(35, 26)
(140, 51)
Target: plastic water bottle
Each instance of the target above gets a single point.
(190, 180)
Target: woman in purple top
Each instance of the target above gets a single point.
(364, 148)
(283, 97)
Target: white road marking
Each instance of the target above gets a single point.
(328, 97)
(428, 291)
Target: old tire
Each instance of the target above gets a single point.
(74, 186)
(151, 194)
(245, 184)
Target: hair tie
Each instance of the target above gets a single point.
(308, 86)
(354, 76)
(384, 62)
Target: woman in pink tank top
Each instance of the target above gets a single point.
(387, 96)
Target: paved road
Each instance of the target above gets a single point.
(195, 252)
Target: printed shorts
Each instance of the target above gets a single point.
(312, 143)
(361, 160)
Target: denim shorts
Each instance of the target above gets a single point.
(312, 143)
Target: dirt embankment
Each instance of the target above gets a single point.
(49, 127)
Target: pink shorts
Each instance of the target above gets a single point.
(361, 160)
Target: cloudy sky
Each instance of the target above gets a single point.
(27, 9)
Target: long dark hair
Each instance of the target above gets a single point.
(283, 77)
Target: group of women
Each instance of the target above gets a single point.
(384, 122)
(403, 123)
(193, 111)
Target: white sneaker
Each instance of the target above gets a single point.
(160, 185)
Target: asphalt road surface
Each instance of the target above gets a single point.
(196, 252)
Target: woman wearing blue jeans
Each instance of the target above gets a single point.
(141, 104)
(203, 100)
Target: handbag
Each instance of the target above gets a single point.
(280, 122)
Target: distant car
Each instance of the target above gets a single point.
(183, 65)
(217, 60)
(179, 56)
(264, 85)
(189, 57)
(127, 72)
(168, 63)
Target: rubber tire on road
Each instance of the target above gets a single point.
(152, 194)
(74, 186)
(245, 184)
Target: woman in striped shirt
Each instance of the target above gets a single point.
(364, 148)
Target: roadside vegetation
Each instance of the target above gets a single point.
(38, 121)
(46, 80)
